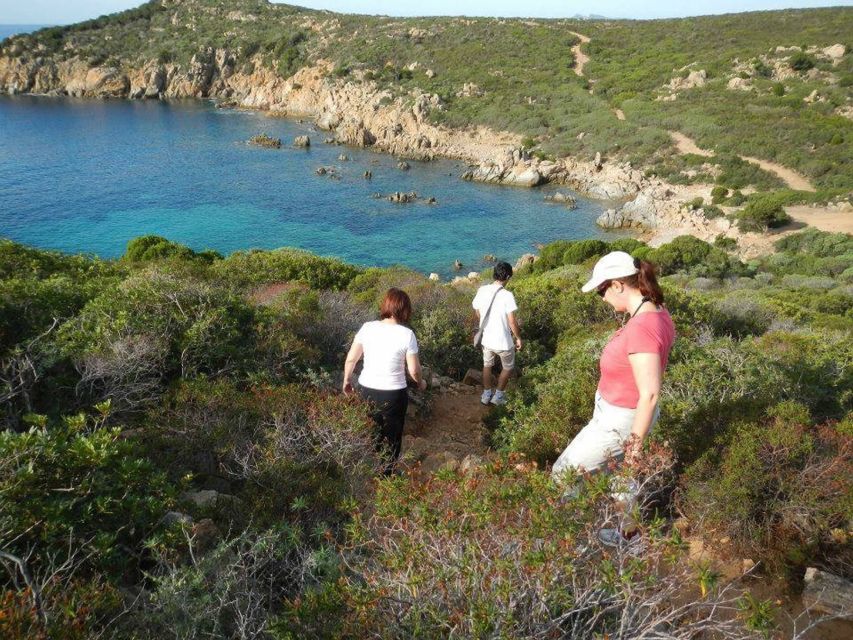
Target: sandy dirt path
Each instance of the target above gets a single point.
(790, 177)
(822, 218)
(580, 57)
(451, 430)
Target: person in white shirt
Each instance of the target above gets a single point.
(389, 347)
(495, 307)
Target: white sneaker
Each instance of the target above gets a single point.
(616, 539)
(499, 398)
(487, 395)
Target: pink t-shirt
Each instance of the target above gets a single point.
(650, 332)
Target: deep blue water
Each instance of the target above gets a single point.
(87, 176)
(7, 30)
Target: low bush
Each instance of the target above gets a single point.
(76, 494)
(245, 269)
(762, 213)
(778, 489)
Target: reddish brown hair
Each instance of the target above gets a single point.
(396, 304)
(646, 281)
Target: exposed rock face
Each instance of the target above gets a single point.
(693, 79)
(302, 141)
(739, 84)
(641, 212)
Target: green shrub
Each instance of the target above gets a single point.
(762, 70)
(718, 194)
(696, 203)
(689, 253)
(778, 489)
(561, 392)
(724, 243)
(801, 61)
(778, 89)
(762, 213)
(198, 327)
(736, 199)
(711, 212)
(245, 269)
(78, 485)
(146, 248)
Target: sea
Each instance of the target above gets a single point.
(86, 176)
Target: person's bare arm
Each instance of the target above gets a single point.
(356, 351)
(648, 375)
(516, 330)
(413, 364)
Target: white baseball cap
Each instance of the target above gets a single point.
(616, 264)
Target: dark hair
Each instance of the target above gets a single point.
(646, 281)
(396, 304)
(502, 271)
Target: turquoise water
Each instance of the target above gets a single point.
(87, 176)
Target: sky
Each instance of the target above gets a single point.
(68, 11)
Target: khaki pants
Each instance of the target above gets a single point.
(601, 439)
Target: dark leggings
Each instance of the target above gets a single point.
(388, 411)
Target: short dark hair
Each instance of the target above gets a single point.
(502, 271)
(396, 304)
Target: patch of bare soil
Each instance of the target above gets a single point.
(823, 218)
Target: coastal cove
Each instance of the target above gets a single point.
(87, 176)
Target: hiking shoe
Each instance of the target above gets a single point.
(614, 538)
(499, 398)
(486, 397)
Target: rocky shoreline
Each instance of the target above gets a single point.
(362, 114)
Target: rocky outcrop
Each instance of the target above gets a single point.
(643, 212)
(263, 140)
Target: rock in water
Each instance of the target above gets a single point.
(302, 141)
(263, 140)
(403, 165)
(457, 265)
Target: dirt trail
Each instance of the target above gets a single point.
(823, 218)
(580, 57)
(452, 430)
(790, 177)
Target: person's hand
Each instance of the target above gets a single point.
(518, 344)
(422, 384)
(633, 449)
(347, 388)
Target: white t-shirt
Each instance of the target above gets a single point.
(386, 346)
(496, 333)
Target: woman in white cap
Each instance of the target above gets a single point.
(632, 365)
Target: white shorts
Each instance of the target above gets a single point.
(507, 358)
(600, 440)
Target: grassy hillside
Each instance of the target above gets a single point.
(525, 83)
(176, 460)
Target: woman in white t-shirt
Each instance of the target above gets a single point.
(389, 348)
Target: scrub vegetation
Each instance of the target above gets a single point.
(176, 460)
